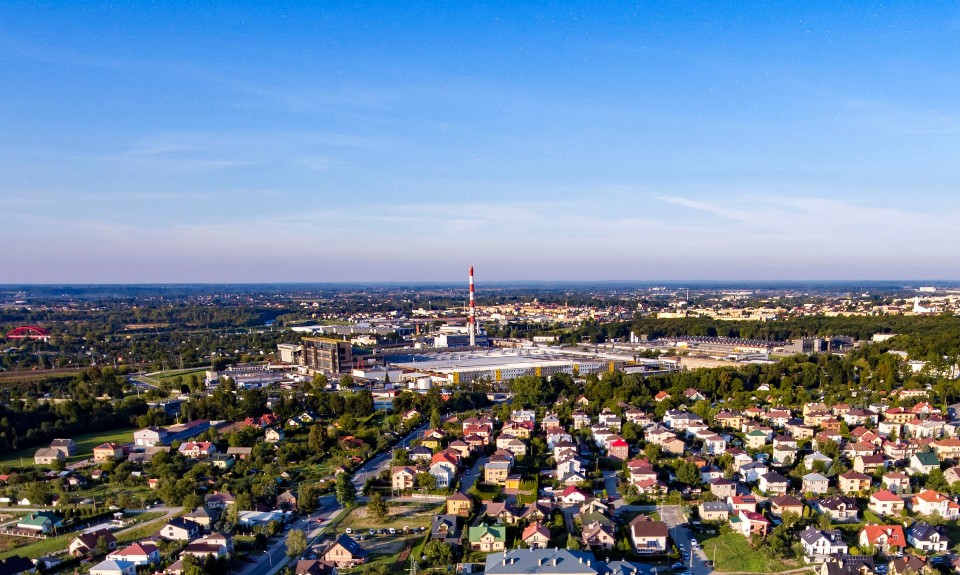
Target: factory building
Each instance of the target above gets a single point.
(502, 366)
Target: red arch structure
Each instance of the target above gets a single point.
(28, 332)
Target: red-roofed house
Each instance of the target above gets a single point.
(883, 537)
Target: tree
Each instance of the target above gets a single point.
(309, 497)
(438, 553)
(573, 544)
(688, 473)
(296, 542)
(346, 492)
(652, 452)
(426, 481)
(377, 506)
(101, 548)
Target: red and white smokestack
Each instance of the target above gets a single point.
(473, 313)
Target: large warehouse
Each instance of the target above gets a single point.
(504, 365)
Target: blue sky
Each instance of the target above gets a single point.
(403, 142)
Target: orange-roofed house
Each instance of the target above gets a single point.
(885, 538)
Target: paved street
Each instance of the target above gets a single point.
(276, 553)
(381, 462)
(471, 476)
(610, 483)
(673, 516)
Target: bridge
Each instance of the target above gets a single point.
(28, 332)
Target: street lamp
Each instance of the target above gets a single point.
(270, 557)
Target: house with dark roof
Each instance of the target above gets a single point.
(345, 552)
(819, 545)
(446, 528)
(648, 536)
(928, 538)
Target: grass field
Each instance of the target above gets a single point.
(85, 445)
(733, 553)
(33, 548)
(411, 515)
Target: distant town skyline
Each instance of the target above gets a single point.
(558, 141)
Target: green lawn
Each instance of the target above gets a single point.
(412, 515)
(733, 553)
(85, 445)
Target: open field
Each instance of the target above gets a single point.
(385, 549)
(405, 515)
(733, 553)
(85, 445)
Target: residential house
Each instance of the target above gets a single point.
(197, 449)
(723, 488)
(140, 554)
(713, 511)
(113, 567)
(48, 455)
(884, 538)
(487, 538)
(107, 452)
(619, 450)
(40, 522)
(67, 446)
(840, 508)
(756, 439)
(403, 477)
(273, 435)
(896, 482)
(738, 503)
(773, 483)
(496, 472)
(885, 502)
(597, 535)
(345, 552)
(924, 462)
(287, 500)
(927, 538)
(648, 536)
(869, 464)
(240, 452)
(819, 545)
(459, 504)
(86, 544)
(815, 483)
(785, 504)
(536, 536)
(442, 474)
(180, 529)
(929, 502)
(854, 482)
(446, 528)
(749, 523)
(752, 471)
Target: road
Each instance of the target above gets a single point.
(275, 556)
(673, 516)
(378, 464)
(471, 476)
(610, 482)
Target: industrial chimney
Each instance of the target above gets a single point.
(472, 326)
